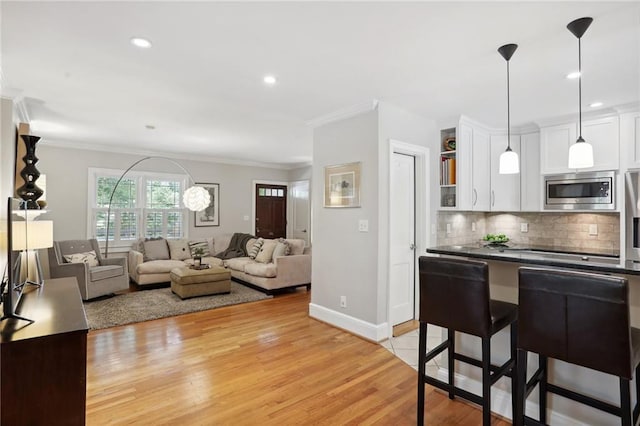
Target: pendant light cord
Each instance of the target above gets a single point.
(579, 89)
(508, 112)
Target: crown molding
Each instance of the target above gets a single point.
(630, 107)
(200, 158)
(590, 115)
(343, 113)
(21, 110)
(19, 106)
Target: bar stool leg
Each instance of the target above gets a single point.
(625, 402)
(521, 401)
(542, 364)
(422, 354)
(451, 338)
(486, 382)
(514, 372)
(636, 413)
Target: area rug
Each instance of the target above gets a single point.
(148, 305)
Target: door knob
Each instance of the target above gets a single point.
(412, 247)
(304, 230)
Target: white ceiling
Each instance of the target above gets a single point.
(201, 83)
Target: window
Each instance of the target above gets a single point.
(144, 205)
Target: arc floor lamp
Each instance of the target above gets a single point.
(195, 198)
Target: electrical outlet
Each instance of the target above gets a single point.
(245, 217)
(448, 228)
(343, 301)
(363, 225)
(593, 229)
(473, 227)
(524, 227)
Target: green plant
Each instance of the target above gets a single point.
(496, 238)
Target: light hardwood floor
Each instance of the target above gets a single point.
(263, 363)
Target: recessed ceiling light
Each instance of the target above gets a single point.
(573, 75)
(270, 80)
(595, 104)
(141, 42)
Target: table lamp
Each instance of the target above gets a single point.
(30, 236)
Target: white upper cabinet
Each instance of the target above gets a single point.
(604, 135)
(505, 189)
(630, 139)
(554, 148)
(472, 187)
(601, 133)
(481, 180)
(464, 147)
(531, 186)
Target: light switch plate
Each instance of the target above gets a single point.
(448, 228)
(473, 227)
(524, 227)
(363, 225)
(593, 229)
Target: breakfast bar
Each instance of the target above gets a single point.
(504, 262)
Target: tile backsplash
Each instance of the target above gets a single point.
(544, 229)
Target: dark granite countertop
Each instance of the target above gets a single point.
(607, 261)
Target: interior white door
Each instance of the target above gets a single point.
(300, 210)
(402, 238)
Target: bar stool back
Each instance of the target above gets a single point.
(580, 318)
(454, 294)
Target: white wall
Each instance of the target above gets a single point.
(400, 125)
(302, 173)
(67, 180)
(347, 262)
(344, 259)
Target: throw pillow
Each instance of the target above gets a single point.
(282, 248)
(156, 250)
(89, 258)
(202, 244)
(256, 248)
(266, 251)
(179, 249)
(138, 245)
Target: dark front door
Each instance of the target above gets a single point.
(271, 211)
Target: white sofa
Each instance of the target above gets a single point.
(281, 272)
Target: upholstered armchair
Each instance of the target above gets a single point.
(82, 259)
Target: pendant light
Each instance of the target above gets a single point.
(509, 163)
(581, 152)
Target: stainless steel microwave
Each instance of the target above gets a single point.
(580, 191)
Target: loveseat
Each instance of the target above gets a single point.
(150, 264)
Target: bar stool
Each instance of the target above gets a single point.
(454, 294)
(580, 318)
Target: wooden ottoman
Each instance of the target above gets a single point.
(187, 282)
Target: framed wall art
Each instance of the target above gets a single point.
(211, 215)
(342, 185)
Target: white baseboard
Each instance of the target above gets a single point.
(374, 332)
(501, 400)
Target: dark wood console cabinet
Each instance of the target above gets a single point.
(43, 366)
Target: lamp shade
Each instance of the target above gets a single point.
(196, 198)
(32, 235)
(509, 163)
(580, 155)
